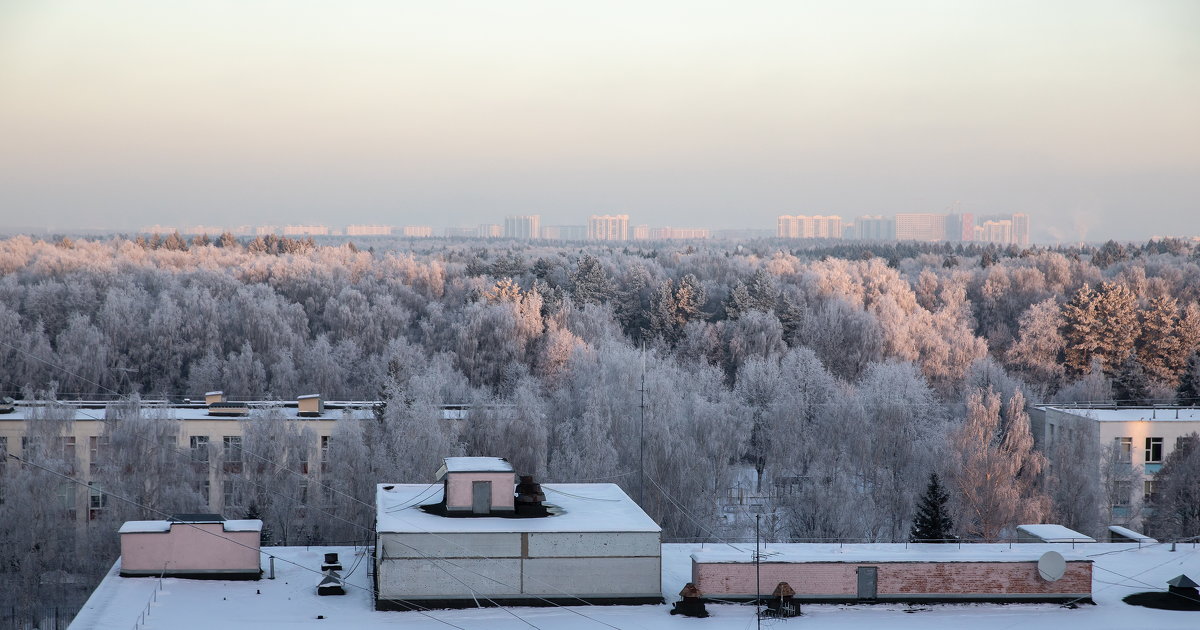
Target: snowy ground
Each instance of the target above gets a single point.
(290, 601)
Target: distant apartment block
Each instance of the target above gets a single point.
(264, 230)
(158, 229)
(368, 230)
(306, 230)
(417, 231)
(565, 232)
(674, 233)
(804, 226)
(522, 226)
(875, 228)
(641, 232)
(490, 230)
(461, 232)
(960, 227)
(920, 227)
(608, 227)
(1021, 229)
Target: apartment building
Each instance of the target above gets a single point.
(608, 227)
(1130, 444)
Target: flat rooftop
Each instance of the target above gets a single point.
(290, 601)
(584, 507)
(1130, 414)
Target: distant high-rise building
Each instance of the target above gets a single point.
(417, 231)
(998, 232)
(565, 232)
(641, 232)
(461, 232)
(608, 227)
(1021, 229)
(306, 230)
(490, 230)
(368, 230)
(670, 233)
(960, 227)
(920, 227)
(522, 226)
(876, 227)
(804, 226)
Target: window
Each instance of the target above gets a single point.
(66, 448)
(231, 495)
(97, 501)
(233, 453)
(1149, 492)
(203, 488)
(324, 453)
(199, 447)
(66, 498)
(3, 453)
(97, 448)
(1121, 492)
(1154, 450)
(1124, 449)
(1181, 442)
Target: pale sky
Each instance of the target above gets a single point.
(1085, 115)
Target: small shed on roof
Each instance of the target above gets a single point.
(310, 406)
(478, 485)
(192, 546)
(1051, 533)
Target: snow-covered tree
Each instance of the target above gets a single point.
(1177, 502)
(995, 476)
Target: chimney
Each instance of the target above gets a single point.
(530, 498)
(690, 605)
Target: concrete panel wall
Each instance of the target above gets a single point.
(491, 545)
(593, 577)
(448, 579)
(575, 544)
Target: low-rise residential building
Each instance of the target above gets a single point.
(1129, 445)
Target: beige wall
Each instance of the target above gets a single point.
(458, 489)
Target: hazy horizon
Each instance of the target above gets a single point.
(716, 114)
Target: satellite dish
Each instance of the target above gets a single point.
(1051, 566)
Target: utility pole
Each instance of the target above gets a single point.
(642, 435)
(757, 575)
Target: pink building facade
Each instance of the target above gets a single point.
(895, 580)
(213, 549)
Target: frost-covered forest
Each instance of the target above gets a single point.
(832, 379)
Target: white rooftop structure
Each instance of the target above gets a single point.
(473, 464)
(290, 602)
(582, 507)
(1049, 532)
(1129, 414)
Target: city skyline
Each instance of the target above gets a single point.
(717, 114)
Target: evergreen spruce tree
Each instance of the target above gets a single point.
(1131, 385)
(1189, 382)
(932, 522)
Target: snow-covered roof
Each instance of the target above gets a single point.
(198, 411)
(880, 553)
(1050, 532)
(474, 464)
(308, 396)
(1133, 414)
(585, 507)
(290, 602)
(143, 527)
(1130, 534)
